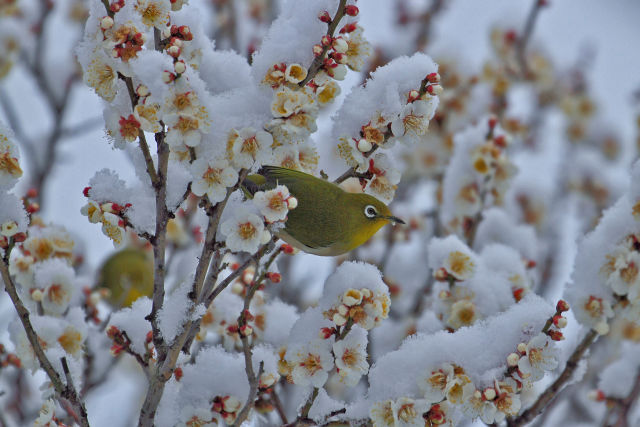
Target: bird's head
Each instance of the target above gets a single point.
(367, 216)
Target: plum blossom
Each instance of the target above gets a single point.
(358, 49)
(475, 406)
(541, 355)
(244, 232)
(212, 177)
(249, 147)
(413, 122)
(409, 412)
(56, 280)
(447, 382)
(383, 414)
(459, 265)
(154, 13)
(310, 362)
(273, 204)
(351, 356)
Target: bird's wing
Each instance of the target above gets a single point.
(317, 221)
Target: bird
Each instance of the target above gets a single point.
(127, 275)
(327, 221)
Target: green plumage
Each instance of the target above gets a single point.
(327, 220)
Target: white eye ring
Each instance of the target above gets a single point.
(370, 211)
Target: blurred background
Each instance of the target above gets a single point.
(58, 123)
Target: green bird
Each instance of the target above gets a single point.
(328, 221)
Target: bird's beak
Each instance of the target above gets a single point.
(395, 219)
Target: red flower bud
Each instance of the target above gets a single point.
(348, 28)
(86, 191)
(562, 306)
(274, 277)
(351, 10)
(177, 373)
(555, 335)
(324, 17)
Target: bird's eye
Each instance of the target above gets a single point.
(370, 211)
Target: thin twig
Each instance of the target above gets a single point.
(557, 385)
(526, 35)
(278, 405)
(627, 403)
(318, 61)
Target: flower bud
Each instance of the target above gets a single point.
(267, 380)
(274, 277)
(317, 50)
(489, 393)
(231, 404)
(237, 288)
(141, 91)
(37, 295)
(266, 236)
(292, 203)
(513, 359)
(179, 67)
(106, 22)
(556, 335)
(441, 274)
(287, 249)
(602, 328)
(364, 146)
(173, 51)
(245, 330)
(522, 348)
(352, 297)
(326, 40)
(562, 306)
(559, 321)
(339, 72)
(168, 76)
(351, 10)
(338, 319)
(324, 17)
(343, 310)
(597, 395)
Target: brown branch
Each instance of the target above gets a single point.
(66, 391)
(214, 213)
(626, 404)
(278, 405)
(557, 385)
(426, 21)
(304, 414)
(318, 61)
(142, 140)
(522, 42)
(246, 347)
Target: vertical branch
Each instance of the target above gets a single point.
(526, 35)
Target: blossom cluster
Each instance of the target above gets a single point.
(449, 389)
(610, 253)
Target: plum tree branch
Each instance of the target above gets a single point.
(66, 391)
